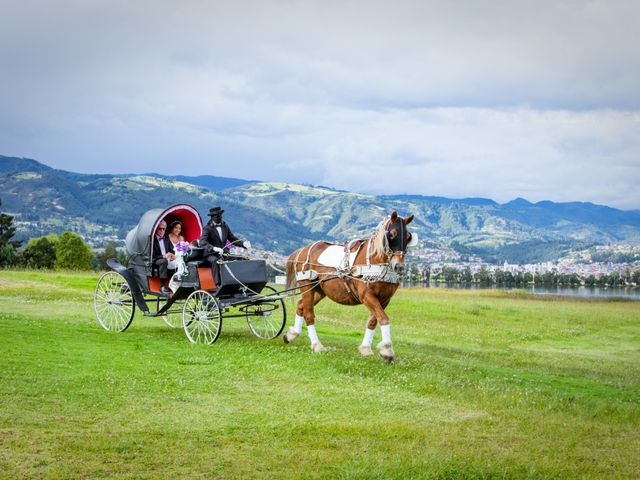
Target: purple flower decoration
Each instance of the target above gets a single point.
(182, 247)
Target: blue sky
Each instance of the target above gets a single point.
(497, 99)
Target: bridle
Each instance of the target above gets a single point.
(390, 249)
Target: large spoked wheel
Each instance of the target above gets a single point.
(113, 302)
(201, 317)
(266, 318)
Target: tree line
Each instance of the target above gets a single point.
(67, 251)
(505, 278)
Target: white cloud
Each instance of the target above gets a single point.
(492, 99)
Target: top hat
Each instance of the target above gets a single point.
(215, 211)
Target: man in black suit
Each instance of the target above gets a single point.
(214, 239)
(163, 254)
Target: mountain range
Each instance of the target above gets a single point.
(281, 216)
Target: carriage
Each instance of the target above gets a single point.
(197, 303)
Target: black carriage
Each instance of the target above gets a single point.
(197, 303)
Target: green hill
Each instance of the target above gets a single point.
(281, 217)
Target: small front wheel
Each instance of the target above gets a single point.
(113, 302)
(201, 317)
(266, 318)
(171, 317)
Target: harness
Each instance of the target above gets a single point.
(368, 273)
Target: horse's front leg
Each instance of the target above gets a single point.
(370, 331)
(385, 348)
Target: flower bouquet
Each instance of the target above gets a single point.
(181, 268)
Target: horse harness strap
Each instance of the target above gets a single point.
(346, 261)
(349, 288)
(306, 262)
(346, 268)
(369, 273)
(304, 273)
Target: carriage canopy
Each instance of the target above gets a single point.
(139, 241)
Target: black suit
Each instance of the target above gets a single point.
(158, 260)
(210, 238)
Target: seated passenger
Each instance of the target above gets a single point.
(163, 255)
(175, 233)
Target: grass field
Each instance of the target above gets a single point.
(486, 385)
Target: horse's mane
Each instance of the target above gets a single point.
(378, 238)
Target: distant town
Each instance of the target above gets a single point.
(577, 268)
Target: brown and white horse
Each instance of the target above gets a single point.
(363, 272)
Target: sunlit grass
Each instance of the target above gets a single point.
(486, 385)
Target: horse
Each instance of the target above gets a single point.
(361, 272)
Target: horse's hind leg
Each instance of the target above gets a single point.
(296, 330)
(306, 314)
(308, 303)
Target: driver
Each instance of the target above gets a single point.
(216, 238)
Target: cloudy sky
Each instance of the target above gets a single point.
(497, 99)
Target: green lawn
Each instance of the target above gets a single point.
(486, 385)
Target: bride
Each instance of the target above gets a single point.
(175, 230)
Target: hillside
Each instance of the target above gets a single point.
(105, 207)
(281, 217)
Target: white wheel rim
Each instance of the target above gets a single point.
(265, 321)
(201, 317)
(113, 302)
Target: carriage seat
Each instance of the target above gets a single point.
(196, 263)
(194, 254)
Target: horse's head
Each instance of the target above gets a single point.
(398, 239)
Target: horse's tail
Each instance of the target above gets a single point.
(291, 270)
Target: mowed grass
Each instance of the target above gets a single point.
(486, 385)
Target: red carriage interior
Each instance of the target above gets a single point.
(191, 224)
(191, 230)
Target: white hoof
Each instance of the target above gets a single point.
(365, 351)
(386, 352)
(317, 347)
(290, 336)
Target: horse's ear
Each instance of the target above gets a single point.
(394, 217)
(408, 220)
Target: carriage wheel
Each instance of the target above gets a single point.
(201, 317)
(267, 319)
(113, 302)
(173, 319)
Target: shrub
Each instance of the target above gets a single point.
(72, 253)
